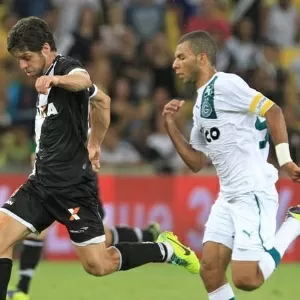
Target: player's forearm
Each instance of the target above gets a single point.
(194, 159)
(278, 132)
(276, 125)
(74, 82)
(99, 116)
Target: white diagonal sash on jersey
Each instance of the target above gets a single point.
(41, 105)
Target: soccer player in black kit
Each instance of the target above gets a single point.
(33, 244)
(62, 186)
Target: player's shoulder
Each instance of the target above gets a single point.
(66, 64)
(63, 60)
(229, 81)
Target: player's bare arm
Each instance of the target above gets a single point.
(194, 159)
(99, 122)
(99, 116)
(74, 82)
(278, 131)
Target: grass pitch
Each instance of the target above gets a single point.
(67, 280)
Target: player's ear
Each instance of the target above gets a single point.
(46, 49)
(201, 59)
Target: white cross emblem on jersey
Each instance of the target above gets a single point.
(74, 213)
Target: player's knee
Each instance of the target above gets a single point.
(246, 275)
(246, 282)
(95, 268)
(103, 264)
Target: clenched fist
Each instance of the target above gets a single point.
(43, 83)
(171, 109)
(293, 171)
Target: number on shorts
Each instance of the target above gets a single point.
(260, 126)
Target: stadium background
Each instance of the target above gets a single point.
(127, 46)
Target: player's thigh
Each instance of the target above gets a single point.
(219, 227)
(11, 231)
(20, 215)
(255, 227)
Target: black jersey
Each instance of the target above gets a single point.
(61, 128)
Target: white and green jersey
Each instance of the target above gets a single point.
(230, 128)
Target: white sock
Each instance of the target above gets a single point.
(170, 250)
(225, 292)
(267, 265)
(287, 233)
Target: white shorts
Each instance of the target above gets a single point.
(244, 223)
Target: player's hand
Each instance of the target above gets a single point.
(293, 171)
(171, 109)
(94, 156)
(43, 83)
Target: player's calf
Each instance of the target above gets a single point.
(10, 232)
(246, 275)
(29, 259)
(97, 260)
(212, 275)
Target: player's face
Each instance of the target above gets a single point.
(186, 63)
(32, 63)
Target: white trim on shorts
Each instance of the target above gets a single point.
(96, 240)
(212, 236)
(247, 255)
(17, 218)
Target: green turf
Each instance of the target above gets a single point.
(68, 281)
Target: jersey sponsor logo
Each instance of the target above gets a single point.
(11, 201)
(47, 110)
(212, 134)
(207, 103)
(74, 213)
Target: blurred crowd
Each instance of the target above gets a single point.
(127, 47)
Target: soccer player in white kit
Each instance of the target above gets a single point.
(232, 124)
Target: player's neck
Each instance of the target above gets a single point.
(50, 60)
(205, 77)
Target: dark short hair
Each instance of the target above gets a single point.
(30, 34)
(201, 42)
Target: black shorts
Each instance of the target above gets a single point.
(76, 207)
(100, 206)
